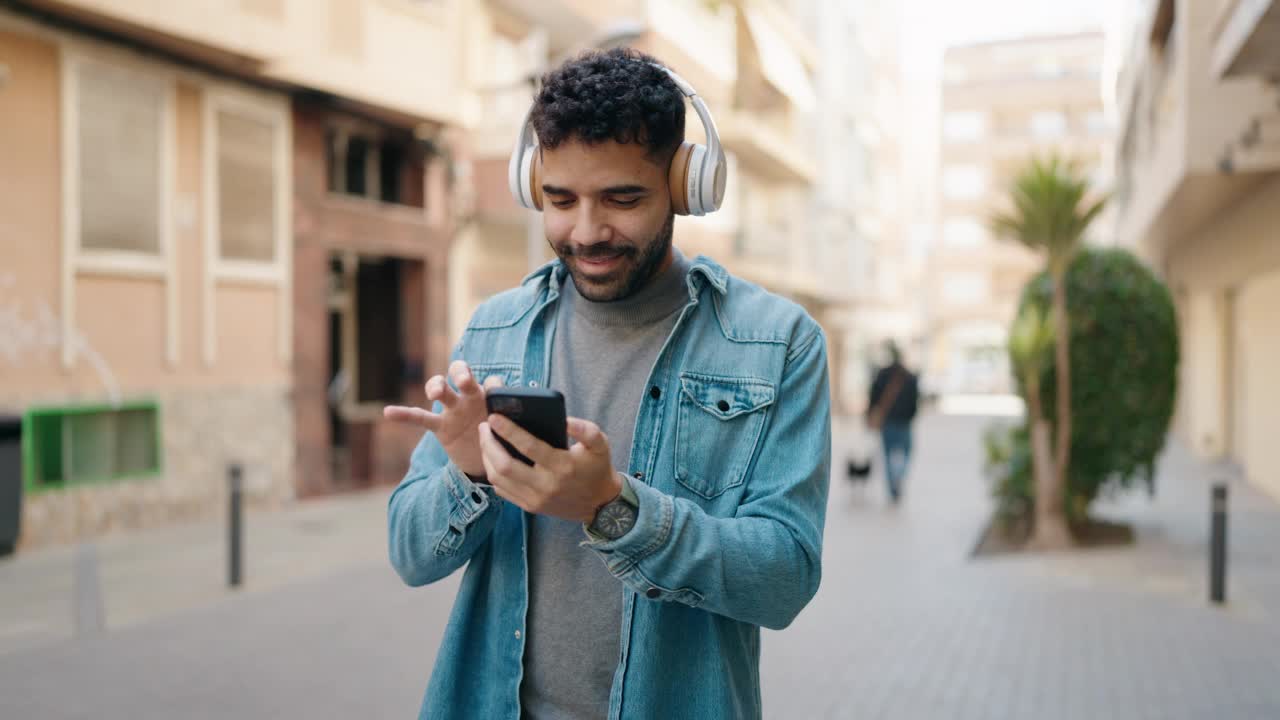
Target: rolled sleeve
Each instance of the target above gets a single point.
(471, 499)
(654, 518)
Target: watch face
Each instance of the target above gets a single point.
(615, 519)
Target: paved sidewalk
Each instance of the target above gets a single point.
(147, 575)
(905, 625)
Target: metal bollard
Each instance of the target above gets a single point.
(236, 477)
(1218, 545)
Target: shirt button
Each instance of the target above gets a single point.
(652, 593)
(477, 498)
(533, 383)
(517, 634)
(724, 406)
(655, 392)
(637, 475)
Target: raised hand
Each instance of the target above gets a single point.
(455, 426)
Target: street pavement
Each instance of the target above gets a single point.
(906, 624)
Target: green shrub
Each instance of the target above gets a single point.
(1124, 366)
(1008, 470)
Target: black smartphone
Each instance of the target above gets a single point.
(537, 410)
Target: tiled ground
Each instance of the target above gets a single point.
(906, 625)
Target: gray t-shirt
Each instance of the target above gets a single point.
(601, 358)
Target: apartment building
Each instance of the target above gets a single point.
(1198, 196)
(224, 229)
(1002, 103)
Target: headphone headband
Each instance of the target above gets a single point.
(701, 178)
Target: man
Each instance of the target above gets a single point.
(891, 408)
(629, 575)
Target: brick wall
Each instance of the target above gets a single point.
(323, 224)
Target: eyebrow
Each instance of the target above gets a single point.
(613, 190)
(626, 190)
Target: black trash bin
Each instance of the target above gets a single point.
(10, 481)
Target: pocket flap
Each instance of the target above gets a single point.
(509, 372)
(726, 397)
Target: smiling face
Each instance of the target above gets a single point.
(607, 215)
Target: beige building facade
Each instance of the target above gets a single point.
(1198, 196)
(167, 222)
(1003, 103)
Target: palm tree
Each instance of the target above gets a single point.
(1050, 212)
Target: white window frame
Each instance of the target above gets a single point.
(963, 231)
(76, 260)
(966, 288)
(965, 126)
(1048, 124)
(954, 189)
(275, 273)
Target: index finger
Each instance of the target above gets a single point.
(412, 416)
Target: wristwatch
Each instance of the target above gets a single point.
(616, 517)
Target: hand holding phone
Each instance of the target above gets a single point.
(539, 411)
(571, 483)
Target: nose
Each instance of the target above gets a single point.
(590, 226)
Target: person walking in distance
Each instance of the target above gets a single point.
(891, 408)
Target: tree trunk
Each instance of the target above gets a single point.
(1062, 366)
(1049, 530)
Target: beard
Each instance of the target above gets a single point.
(637, 264)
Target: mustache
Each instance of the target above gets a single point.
(598, 251)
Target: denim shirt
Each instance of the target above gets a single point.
(730, 462)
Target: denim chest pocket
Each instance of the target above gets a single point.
(718, 427)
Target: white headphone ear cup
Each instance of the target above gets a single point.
(526, 177)
(713, 184)
(515, 168)
(693, 184)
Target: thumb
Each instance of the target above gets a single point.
(589, 434)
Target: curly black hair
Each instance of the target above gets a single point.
(611, 95)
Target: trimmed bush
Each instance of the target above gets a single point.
(1124, 368)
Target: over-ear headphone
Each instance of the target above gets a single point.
(696, 176)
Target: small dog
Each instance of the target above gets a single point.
(858, 471)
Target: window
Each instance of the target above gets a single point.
(1100, 176)
(966, 288)
(246, 188)
(117, 145)
(963, 126)
(119, 118)
(1047, 125)
(1048, 67)
(248, 180)
(64, 446)
(955, 74)
(963, 232)
(964, 182)
(887, 185)
(376, 164)
(1096, 122)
